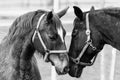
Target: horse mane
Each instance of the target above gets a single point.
(112, 11)
(23, 25)
(26, 23)
(21, 30)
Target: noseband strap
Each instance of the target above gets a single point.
(47, 51)
(88, 43)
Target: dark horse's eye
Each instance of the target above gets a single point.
(74, 33)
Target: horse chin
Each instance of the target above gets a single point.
(76, 74)
(60, 72)
(75, 71)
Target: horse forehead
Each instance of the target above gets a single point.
(60, 33)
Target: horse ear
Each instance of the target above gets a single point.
(92, 8)
(62, 12)
(49, 16)
(78, 12)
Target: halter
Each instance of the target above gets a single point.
(88, 43)
(47, 51)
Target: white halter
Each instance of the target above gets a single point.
(47, 51)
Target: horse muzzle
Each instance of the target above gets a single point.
(62, 71)
(75, 70)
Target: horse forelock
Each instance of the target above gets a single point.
(58, 26)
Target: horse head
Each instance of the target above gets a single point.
(49, 40)
(86, 42)
(37, 31)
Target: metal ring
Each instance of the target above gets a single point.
(76, 61)
(87, 32)
(47, 50)
(89, 41)
(94, 48)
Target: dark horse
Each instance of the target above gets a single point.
(92, 30)
(40, 31)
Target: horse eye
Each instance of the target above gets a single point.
(53, 37)
(74, 33)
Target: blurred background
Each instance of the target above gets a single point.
(107, 65)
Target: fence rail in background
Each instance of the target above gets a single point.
(112, 65)
(112, 69)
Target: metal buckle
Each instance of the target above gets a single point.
(46, 55)
(76, 61)
(90, 43)
(87, 32)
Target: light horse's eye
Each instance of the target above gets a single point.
(53, 37)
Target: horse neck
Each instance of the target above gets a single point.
(26, 65)
(109, 28)
(22, 65)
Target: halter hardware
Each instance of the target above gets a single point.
(46, 50)
(88, 43)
